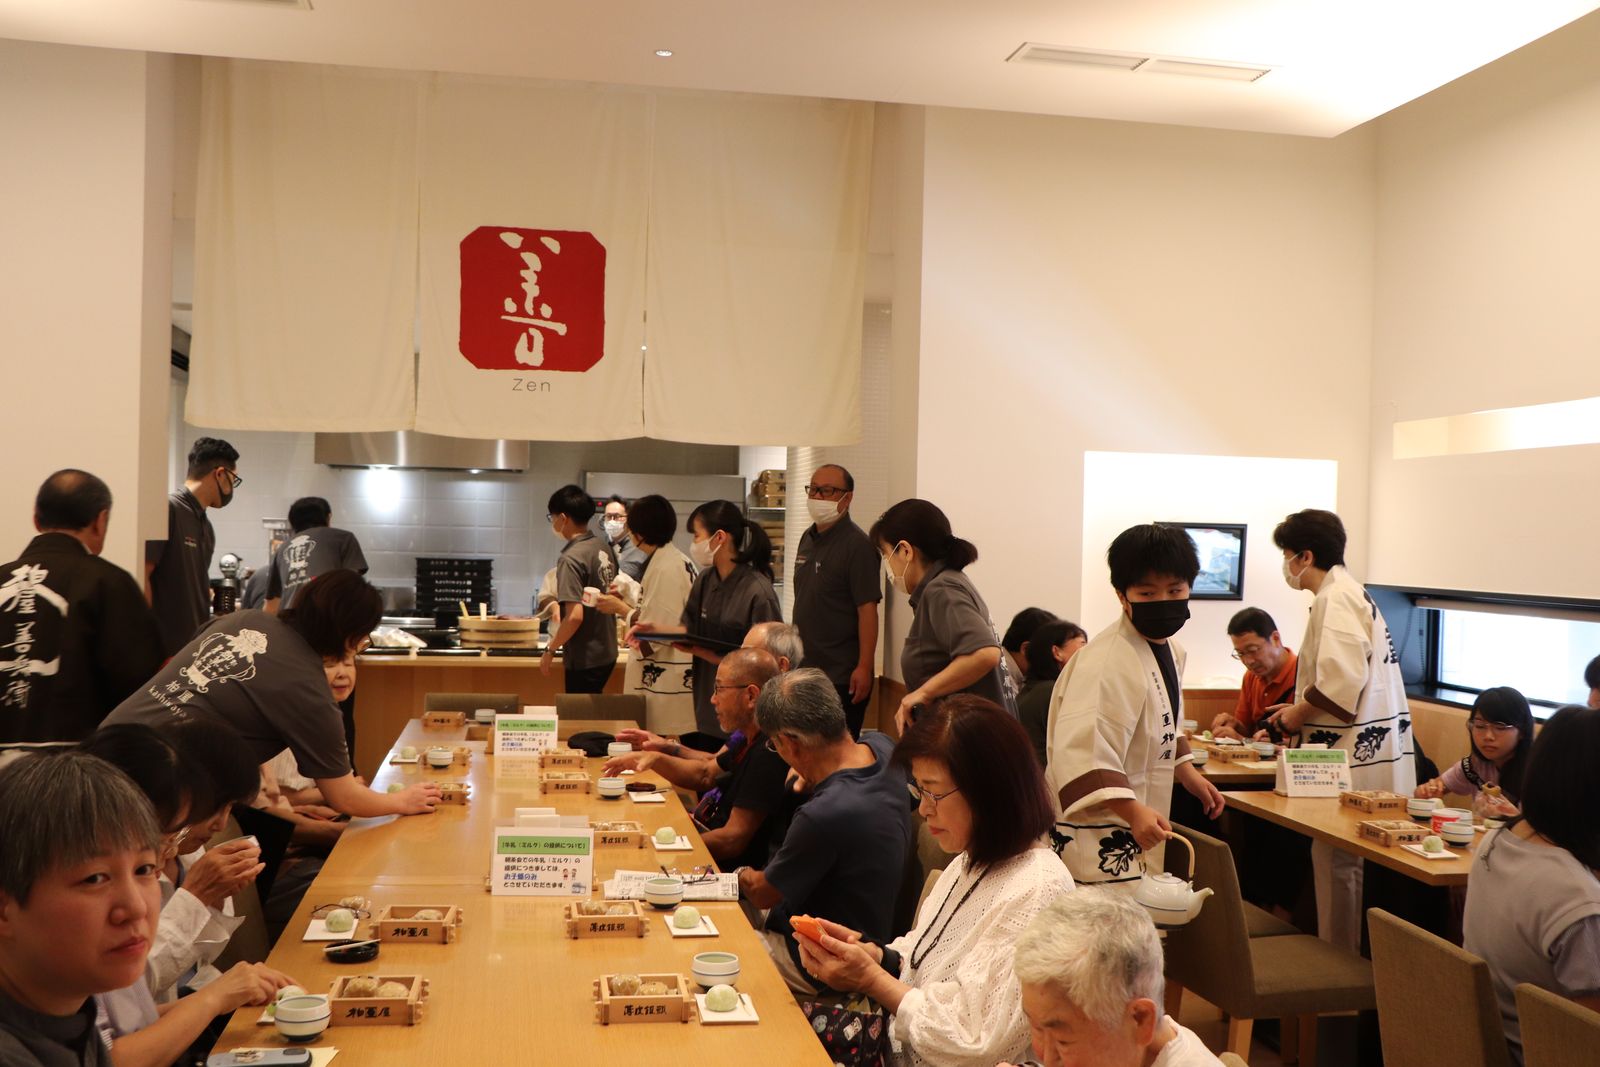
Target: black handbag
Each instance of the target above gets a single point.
(854, 1034)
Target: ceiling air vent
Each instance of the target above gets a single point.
(1060, 55)
(1045, 53)
(297, 5)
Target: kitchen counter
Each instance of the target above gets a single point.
(392, 686)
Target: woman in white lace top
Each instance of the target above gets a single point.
(948, 983)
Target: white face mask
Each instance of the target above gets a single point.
(702, 553)
(898, 581)
(555, 528)
(613, 528)
(822, 511)
(1290, 578)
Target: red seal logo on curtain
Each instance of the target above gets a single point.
(532, 299)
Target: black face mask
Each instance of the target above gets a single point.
(1159, 619)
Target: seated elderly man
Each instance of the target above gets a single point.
(743, 807)
(1090, 969)
(845, 850)
(782, 639)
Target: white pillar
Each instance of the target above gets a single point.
(85, 281)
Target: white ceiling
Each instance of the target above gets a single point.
(1336, 63)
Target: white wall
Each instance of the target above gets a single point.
(1120, 287)
(85, 225)
(1487, 278)
(1232, 489)
(400, 515)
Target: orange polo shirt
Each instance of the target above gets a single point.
(1256, 695)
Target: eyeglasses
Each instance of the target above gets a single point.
(1490, 729)
(826, 492)
(696, 876)
(918, 793)
(234, 475)
(1252, 652)
(174, 842)
(717, 687)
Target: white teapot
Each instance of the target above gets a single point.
(1170, 900)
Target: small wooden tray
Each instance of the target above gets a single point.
(1390, 832)
(444, 720)
(397, 922)
(676, 1007)
(623, 834)
(481, 731)
(454, 793)
(562, 759)
(633, 923)
(1373, 801)
(565, 782)
(379, 1011)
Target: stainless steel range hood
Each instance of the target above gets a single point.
(419, 451)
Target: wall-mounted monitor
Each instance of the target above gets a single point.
(1221, 549)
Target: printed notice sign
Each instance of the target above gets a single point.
(1312, 772)
(520, 739)
(542, 862)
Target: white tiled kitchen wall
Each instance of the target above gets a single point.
(399, 515)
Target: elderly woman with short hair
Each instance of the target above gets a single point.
(948, 982)
(1090, 970)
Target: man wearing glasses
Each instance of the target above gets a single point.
(1269, 673)
(836, 592)
(178, 570)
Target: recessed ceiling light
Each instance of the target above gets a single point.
(664, 53)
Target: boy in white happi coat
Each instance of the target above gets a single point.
(1113, 738)
(1349, 694)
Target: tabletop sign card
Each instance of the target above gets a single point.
(1313, 772)
(542, 862)
(521, 740)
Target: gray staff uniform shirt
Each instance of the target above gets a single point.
(950, 619)
(724, 609)
(835, 572)
(180, 585)
(255, 674)
(587, 561)
(631, 559)
(309, 553)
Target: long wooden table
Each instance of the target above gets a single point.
(1325, 819)
(1243, 775)
(514, 988)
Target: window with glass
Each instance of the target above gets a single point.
(1541, 656)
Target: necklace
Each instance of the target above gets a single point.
(918, 953)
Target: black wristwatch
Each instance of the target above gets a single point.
(891, 961)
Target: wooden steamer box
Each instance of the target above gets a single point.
(625, 834)
(632, 923)
(482, 731)
(444, 720)
(1226, 753)
(398, 922)
(454, 793)
(565, 782)
(677, 1006)
(379, 1011)
(1391, 832)
(563, 759)
(499, 632)
(1373, 801)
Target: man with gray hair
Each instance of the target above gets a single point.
(782, 639)
(845, 850)
(76, 636)
(1090, 968)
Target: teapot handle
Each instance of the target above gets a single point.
(1184, 841)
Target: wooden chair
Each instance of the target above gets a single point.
(617, 706)
(1556, 1032)
(1294, 977)
(504, 703)
(1408, 961)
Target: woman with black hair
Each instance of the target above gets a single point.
(1500, 731)
(1533, 897)
(952, 646)
(261, 675)
(1049, 648)
(732, 593)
